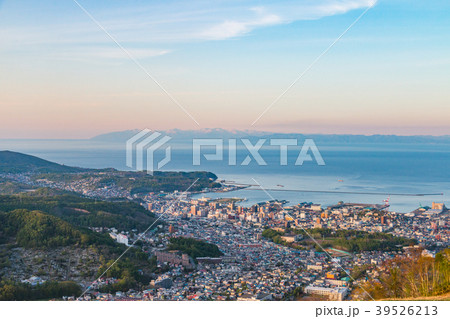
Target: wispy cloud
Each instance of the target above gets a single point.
(158, 24)
(281, 12)
(234, 28)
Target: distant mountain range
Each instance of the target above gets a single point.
(13, 162)
(323, 138)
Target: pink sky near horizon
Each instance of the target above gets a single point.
(68, 115)
(86, 134)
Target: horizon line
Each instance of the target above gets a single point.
(231, 131)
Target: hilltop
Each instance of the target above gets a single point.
(414, 277)
(443, 297)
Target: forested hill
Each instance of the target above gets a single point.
(13, 162)
(194, 247)
(35, 229)
(80, 211)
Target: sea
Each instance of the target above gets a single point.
(408, 175)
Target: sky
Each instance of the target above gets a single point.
(224, 63)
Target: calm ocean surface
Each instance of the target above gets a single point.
(376, 168)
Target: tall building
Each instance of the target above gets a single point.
(193, 210)
(439, 206)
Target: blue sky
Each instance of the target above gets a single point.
(225, 62)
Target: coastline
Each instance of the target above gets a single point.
(401, 202)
